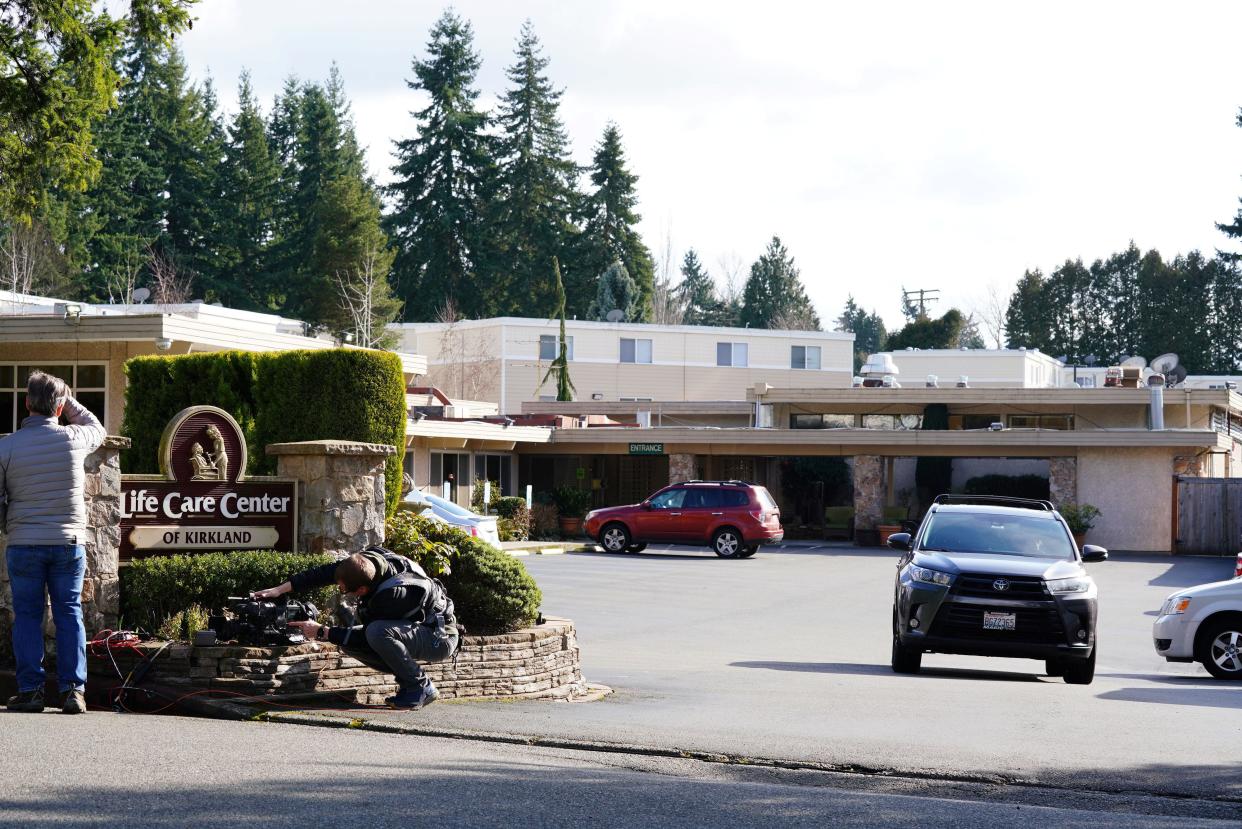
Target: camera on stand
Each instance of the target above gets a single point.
(262, 622)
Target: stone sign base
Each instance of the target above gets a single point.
(533, 663)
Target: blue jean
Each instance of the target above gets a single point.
(58, 569)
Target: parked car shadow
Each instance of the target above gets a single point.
(1223, 697)
(656, 554)
(1187, 572)
(861, 669)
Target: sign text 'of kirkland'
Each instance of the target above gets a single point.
(202, 500)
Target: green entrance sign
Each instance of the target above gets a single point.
(646, 448)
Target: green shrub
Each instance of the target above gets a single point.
(572, 502)
(276, 397)
(183, 624)
(407, 534)
(509, 506)
(476, 494)
(1080, 517)
(1009, 486)
(491, 590)
(154, 590)
(517, 527)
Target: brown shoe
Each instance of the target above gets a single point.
(73, 702)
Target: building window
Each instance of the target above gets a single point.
(634, 399)
(495, 468)
(87, 381)
(549, 347)
(804, 357)
(821, 421)
(732, 354)
(1060, 422)
(973, 421)
(635, 351)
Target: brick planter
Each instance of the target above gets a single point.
(533, 663)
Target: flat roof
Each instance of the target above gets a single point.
(912, 400)
(532, 322)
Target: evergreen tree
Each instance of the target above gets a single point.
(610, 233)
(697, 294)
(1026, 321)
(774, 296)
(1234, 228)
(251, 177)
(925, 332)
(616, 291)
(537, 183)
(443, 177)
(868, 331)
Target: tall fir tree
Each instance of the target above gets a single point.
(697, 293)
(251, 178)
(867, 328)
(444, 176)
(1232, 229)
(537, 180)
(774, 296)
(610, 230)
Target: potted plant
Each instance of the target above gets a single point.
(1080, 518)
(890, 521)
(571, 503)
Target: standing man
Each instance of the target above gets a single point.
(44, 517)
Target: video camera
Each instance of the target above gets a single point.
(261, 622)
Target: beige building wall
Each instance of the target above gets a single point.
(1134, 490)
(499, 360)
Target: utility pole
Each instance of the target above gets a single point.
(924, 296)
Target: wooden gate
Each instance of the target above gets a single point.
(1209, 516)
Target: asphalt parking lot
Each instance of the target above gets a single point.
(786, 656)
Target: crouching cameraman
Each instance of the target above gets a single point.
(403, 616)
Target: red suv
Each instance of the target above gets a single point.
(732, 517)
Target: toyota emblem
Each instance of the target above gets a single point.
(1000, 584)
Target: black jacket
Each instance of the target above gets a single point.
(397, 602)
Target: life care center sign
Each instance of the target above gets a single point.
(202, 499)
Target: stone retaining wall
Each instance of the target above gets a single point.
(534, 663)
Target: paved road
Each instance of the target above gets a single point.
(105, 770)
(786, 656)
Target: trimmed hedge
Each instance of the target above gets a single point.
(276, 397)
(155, 589)
(491, 590)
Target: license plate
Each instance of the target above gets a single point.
(999, 621)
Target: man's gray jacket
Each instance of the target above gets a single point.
(42, 475)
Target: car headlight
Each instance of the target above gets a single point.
(1076, 585)
(1175, 605)
(929, 576)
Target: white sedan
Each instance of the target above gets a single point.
(482, 527)
(1203, 624)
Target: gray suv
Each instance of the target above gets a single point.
(990, 576)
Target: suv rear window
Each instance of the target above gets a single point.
(765, 498)
(734, 497)
(998, 534)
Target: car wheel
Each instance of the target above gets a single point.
(1080, 671)
(1222, 649)
(748, 551)
(614, 538)
(1054, 667)
(727, 543)
(636, 548)
(905, 660)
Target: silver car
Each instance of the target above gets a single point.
(482, 527)
(1203, 624)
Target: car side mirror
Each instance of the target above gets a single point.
(1091, 552)
(899, 541)
(646, 505)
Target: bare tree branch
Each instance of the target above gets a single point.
(169, 284)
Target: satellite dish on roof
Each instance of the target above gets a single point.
(615, 315)
(1135, 362)
(141, 295)
(1164, 363)
(1175, 375)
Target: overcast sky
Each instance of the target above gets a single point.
(926, 145)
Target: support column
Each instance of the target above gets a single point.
(681, 467)
(101, 594)
(1063, 480)
(341, 501)
(868, 497)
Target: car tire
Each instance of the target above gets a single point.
(636, 548)
(727, 543)
(614, 538)
(905, 660)
(1221, 648)
(1054, 667)
(1080, 671)
(748, 551)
